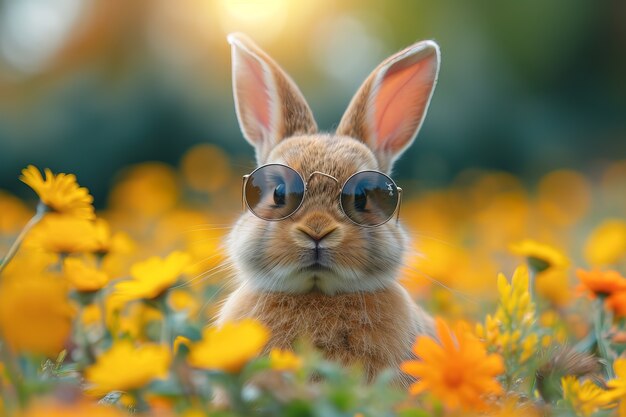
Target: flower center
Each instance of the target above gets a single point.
(453, 378)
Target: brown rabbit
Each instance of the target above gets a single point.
(315, 254)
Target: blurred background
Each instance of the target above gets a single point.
(525, 136)
(91, 86)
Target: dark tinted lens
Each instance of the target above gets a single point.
(274, 192)
(369, 198)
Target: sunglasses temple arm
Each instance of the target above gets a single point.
(399, 204)
(243, 192)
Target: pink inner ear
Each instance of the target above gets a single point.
(400, 103)
(253, 97)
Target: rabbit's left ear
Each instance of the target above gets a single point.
(389, 108)
(270, 107)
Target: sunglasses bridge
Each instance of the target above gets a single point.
(322, 174)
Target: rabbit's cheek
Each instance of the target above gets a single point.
(246, 239)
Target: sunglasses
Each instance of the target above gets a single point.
(275, 192)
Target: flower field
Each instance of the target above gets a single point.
(111, 313)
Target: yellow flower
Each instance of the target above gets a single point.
(539, 255)
(180, 341)
(607, 243)
(553, 285)
(586, 398)
(229, 347)
(135, 321)
(90, 315)
(62, 234)
(618, 385)
(81, 409)
(490, 332)
(29, 263)
(205, 168)
(193, 412)
(149, 189)
(183, 301)
(515, 299)
(107, 242)
(529, 347)
(60, 193)
(513, 320)
(83, 277)
(126, 367)
(152, 277)
(284, 360)
(457, 370)
(35, 316)
(564, 197)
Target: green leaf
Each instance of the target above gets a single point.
(414, 412)
(298, 408)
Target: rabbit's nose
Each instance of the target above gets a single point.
(314, 235)
(316, 227)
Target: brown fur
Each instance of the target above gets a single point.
(376, 330)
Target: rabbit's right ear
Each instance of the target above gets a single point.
(269, 105)
(389, 108)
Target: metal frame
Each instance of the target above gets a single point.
(244, 201)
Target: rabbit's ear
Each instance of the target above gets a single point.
(389, 108)
(269, 105)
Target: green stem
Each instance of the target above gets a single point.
(41, 211)
(166, 331)
(14, 375)
(603, 349)
(89, 355)
(532, 275)
(166, 325)
(140, 403)
(100, 303)
(586, 344)
(233, 387)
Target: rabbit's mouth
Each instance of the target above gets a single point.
(316, 267)
(317, 277)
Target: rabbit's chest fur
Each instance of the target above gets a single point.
(376, 329)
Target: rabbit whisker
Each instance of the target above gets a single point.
(205, 275)
(456, 292)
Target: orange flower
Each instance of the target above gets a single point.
(617, 302)
(601, 283)
(458, 372)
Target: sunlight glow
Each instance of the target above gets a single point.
(265, 19)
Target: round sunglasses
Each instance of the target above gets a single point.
(274, 192)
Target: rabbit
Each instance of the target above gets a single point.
(316, 275)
